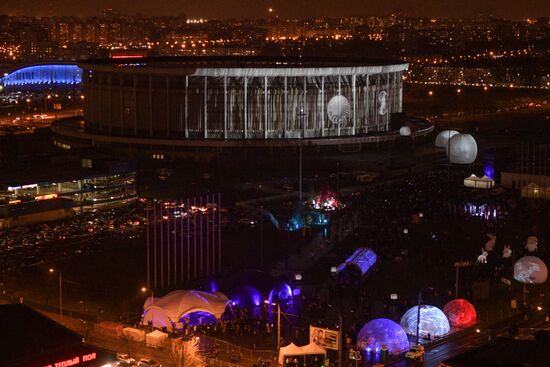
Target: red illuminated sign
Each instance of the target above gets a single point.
(45, 197)
(74, 361)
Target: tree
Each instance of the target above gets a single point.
(186, 353)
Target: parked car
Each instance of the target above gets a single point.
(124, 359)
(148, 363)
(417, 353)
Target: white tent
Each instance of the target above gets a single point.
(168, 310)
(155, 339)
(442, 139)
(532, 191)
(294, 350)
(133, 334)
(479, 182)
(462, 149)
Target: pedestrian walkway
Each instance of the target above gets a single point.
(316, 248)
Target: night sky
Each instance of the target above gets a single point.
(284, 8)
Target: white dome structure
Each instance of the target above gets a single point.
(530, 270)
(168, 310)
(462, 149)
(432, 321)
(405, 131)
(442, 139)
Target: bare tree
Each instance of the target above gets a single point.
(186, 353)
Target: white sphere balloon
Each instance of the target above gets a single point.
(530, 270)
(462, 149)
(405, 131)
(432, 321)
(442, 139)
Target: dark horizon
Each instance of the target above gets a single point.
(287, 9)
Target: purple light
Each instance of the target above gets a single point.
(246, 296)
(379, 332)
(199, 318)
(213, 286)
(280, 293)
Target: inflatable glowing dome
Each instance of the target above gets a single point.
(405, 131)
(460, 313)
(432, 321)
(442, 139)
(462, 149)
(379, 332)
(363, 257)
(530, 270)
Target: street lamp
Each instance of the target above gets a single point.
(49, 96)
(301, 115)
(52, 270)
(418, 314)
(278, 323)
(144, 290)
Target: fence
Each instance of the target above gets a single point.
(209, 346)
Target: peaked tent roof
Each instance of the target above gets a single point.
(182, 302)
(294, 350)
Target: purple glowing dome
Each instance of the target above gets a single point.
(364, 258)
(379, 332)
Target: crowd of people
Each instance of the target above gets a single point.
(418, 227)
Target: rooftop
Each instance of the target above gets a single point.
(241, 62)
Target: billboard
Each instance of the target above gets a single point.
(326, 338)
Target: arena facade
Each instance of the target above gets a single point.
(173, 103)
(241, 98)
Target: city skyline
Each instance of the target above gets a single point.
(219, 9)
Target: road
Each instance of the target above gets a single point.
(26, 119)
(469, 340)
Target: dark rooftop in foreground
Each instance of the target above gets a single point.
(506, 352)
(27, 333)
(30, 339)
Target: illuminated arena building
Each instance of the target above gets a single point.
(42, 77)
(168, 105)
